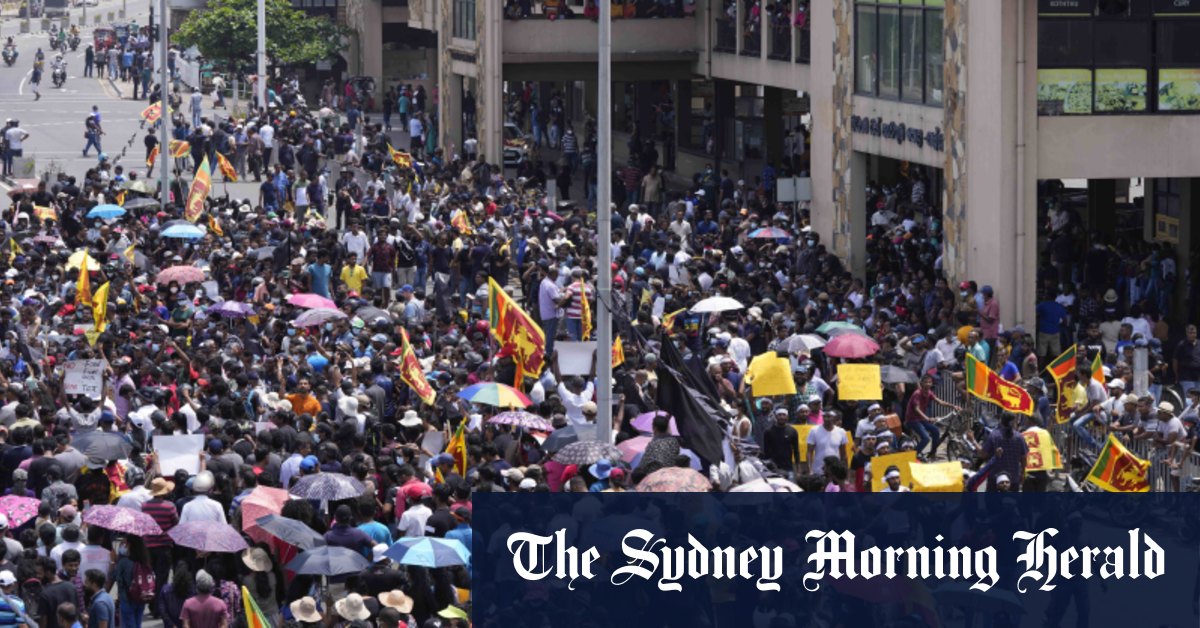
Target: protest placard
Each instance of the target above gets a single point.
(179, 452)
(84, 377)
(575, 358)
(859, 382)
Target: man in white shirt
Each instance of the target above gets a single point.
(893, 481)
(201, 508)
(267, 134)
(828, 440)
(70, 536)
(412, 522)
(574, 397)
(356, 241)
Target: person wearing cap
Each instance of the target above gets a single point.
(12, 607)
(204, 609)
(201, 507)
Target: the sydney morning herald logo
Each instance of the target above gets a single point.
(646, 556)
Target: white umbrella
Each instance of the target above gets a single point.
(716, 304)
(804, 343)
(767, 485)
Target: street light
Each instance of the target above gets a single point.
(164, 104)
(261, 85)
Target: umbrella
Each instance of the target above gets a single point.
(587, 452)
(102, 446)
(180, 274)
(262, 501)
(858, 331)
(767, 485)
(121, 519)
(208, 536)
(77, 258)
(522, 419)
(570, 434)
(232, 309)
(139, 186)
(311, 301)
(328, 560)
(371, 314)
(18, 509)
(429, 552)
(889, 374)
(46, 239)
(716, 304)
(290, 531)
(633, 447)
(27, 188)
(828, 328)
(804, 343)
(106, 211)
(493, 394)
(770, 233)
(183, 232)
(319, 316)
(645, 423)
(693, 459)
(140, 202)
(675, 480)
(328, 487)
(851, 346)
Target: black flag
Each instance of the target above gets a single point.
(695, 411)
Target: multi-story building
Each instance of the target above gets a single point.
(989, 98)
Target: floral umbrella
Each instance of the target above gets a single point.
(180, 275)
(18, 509)
(675, 480)
(587, 452)
(121, 519)
(522, 419)
(208, 536)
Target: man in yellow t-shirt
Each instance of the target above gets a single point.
(353, 275)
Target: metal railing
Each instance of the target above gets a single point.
(751, 38)
(1162, 477)
(726, 35)
(781, 42)
(804, 47)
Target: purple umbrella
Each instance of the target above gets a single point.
(208, 536)
(645, 423)
(522, 419)
(232, 309)
(121, 519)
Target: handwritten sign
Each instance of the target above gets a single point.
(84, 377)
(859, 382)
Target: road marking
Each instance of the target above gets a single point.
(21, 87)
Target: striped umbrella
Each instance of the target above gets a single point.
(494, 394)
(328, 487)
(429, 552)
(208, 536)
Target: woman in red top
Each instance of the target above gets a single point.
(916, 417)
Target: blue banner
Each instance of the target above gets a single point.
(788, 560)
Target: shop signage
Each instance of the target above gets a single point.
(898, 132)
(1177, 6)
(1059, 7)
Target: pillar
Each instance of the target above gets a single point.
(590, 97)
(370, 45)
(489, 82)
(773, 130)
(723, 111)
(857, 237)
(1102, 206)
(451, 94)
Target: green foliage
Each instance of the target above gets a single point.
(226, 33)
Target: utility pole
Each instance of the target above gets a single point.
(604, 332)
(261, 85)
(165, 161)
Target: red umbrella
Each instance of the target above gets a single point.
(851, 346)
(262, 501)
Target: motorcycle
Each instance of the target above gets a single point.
(59, 75)
(10, 56)
(73, 42)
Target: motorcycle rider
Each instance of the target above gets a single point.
(61, 37)
(73, 38)
(10, 51)
(58, 66)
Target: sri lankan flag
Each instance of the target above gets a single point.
(668, 321)
(983, 383)
(1063, 365)
(153, 156)
(179, 148)
(400, 158)
(457, 447)
(517, 333)
(1098, 369)
(215, 226)
(152, 113)
(120, 198)
(1118, 471)
(461, 222)
(226, 168)
(255, 618)
(411, 373)
(1042, 454)
(199, 192)
(585, 311)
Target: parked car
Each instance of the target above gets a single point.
(516, 144)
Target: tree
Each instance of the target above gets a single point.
(226, 33)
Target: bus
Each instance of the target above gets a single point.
(55, 8)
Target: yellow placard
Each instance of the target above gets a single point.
(880, 464)
(859, 382)
(937, 477)
(771, 375)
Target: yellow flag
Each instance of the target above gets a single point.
(199, 192)
(131, 254)
(14, 249)
(585, 311)
(215, 227)
(91, 336)
(226, 168)
(668, 321)
(121, 197)
(100, 307)
(83, 285)
(400, 158)
(618, 353)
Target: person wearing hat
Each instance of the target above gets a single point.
(304, 610)
(202, 507)
(205, 610)
(397, 600)
(261, 582)
(352, 608)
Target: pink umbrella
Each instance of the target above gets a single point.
(851, 346)
(645, 423)
(180, 275)
(311, 301)
(121, 519)
(18, 509)
(262, 501)
(633, 447)
(208, 536)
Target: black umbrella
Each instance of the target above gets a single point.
(138, 203)
(567, 435)
(895, 375)
(102, 446)
(328, 560)
(290, 531)
(371, 314)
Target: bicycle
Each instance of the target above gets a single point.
(959, 437)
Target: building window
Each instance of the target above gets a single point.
(1168, 207)
(898, 49)
(464, 19)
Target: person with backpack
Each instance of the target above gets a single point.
(134, 577)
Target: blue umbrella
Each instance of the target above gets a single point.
(106, 211)
(185, 232)
(328, 560)
(429, 552)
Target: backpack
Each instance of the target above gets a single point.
(141, 588)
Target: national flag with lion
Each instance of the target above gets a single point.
(517, 333)
(199, 192)
(411, 373)
(152, 113)
(400, 158)
(985, 384)
(1119, 471)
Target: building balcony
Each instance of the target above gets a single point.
(577, 40)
